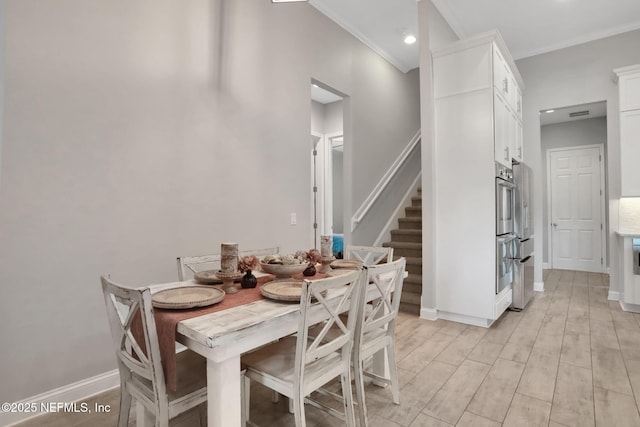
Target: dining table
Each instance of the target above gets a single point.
(223, 336)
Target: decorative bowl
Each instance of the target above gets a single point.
(283, 271)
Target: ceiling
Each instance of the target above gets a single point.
(529, 27)
(561, 115)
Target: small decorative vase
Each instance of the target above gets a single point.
(309, 271)
(248, 280)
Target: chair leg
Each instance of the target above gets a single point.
(393, 373)
(358, 372)
(202, 413)
(125, 407)
(298, 411)
(345, 379)
(245, 382)
(143, 416)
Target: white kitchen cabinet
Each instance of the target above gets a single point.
(629, 106)
(630, 300)
(629, 85)
(504, 132)
(476, 124)
(517, 148)
(630, 153)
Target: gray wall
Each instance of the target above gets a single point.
(573, 76)
(3, 6)
(562, 135)
(139, 130)
(337, 161)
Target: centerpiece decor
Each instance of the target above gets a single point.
(229, 267)
(245, 265)
(284, 266)
(313, 258)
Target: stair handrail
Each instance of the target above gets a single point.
(384, 181)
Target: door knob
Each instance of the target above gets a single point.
(554, 224)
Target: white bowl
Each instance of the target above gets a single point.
(282, 271)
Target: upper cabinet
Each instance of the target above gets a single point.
(629, 87)
(629, 105)
(483, 63)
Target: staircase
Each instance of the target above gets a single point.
(407, 242)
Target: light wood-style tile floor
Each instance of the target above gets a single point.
(571, 358)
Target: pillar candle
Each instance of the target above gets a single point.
(326, 244)
(229, 257)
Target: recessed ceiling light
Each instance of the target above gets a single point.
(549, 111)
(410, 39)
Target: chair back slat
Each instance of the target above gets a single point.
(134, 335)
(369, 255)
(188, 266)
(387, 280)
(311, 349)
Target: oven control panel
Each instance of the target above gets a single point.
(504, 172)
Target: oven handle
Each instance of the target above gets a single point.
(506, 238)
(503, 183)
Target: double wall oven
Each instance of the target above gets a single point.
(505, 231)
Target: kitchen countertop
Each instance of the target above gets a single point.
(628, 233)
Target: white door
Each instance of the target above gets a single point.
(576, 208)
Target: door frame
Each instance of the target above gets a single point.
(603, 217)
(323, 211)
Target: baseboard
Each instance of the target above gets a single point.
(538, 286)
(66, 394)
(633, 308)
(429, 313)
(545, 266)
(614, 296)
(463, 318)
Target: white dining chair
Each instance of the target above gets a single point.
(141, 374)
(369, 255)
(375, 329)
(190, 265)
(298, 365)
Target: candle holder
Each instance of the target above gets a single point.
(228, 285)
(229, 267)
(326, 264)
(326, 250)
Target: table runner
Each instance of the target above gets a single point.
(167, 321)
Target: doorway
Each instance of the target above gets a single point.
(327, 160)
(576, 181)
(574, 156)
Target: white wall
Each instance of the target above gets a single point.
(561, 135)
(572, 76)
(140, 130)
(434, 33)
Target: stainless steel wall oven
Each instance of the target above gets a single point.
(505, 236)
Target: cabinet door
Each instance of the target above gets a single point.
(630, 153)
(518, 106)
(502, 129)
(630, 92)
(517, 149)
(501, 74)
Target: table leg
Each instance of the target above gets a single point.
(224, 400)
